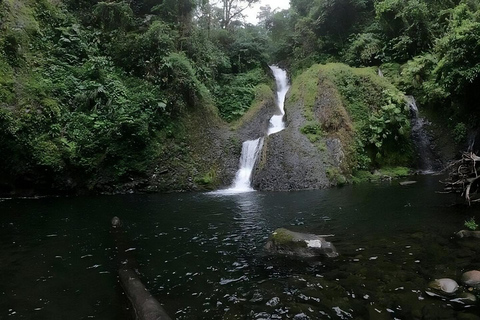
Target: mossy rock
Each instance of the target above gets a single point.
(301, 245)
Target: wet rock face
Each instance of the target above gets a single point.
(255, 123)
(300, 245)
(335, 148)
(289, 161)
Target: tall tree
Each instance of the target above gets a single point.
(233, 9)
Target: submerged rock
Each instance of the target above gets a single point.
(471, 278)
(465, 298)
(468, 234)
(302, 245)
(444, 286)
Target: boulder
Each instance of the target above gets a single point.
(301, 245)
(465, 298)
(444, 286)
(471, 278)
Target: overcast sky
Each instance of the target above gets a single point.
(252, 12)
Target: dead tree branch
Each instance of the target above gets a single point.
(463, 177)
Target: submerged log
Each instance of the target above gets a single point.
(464, 178)
(145, 306)
(468, 234)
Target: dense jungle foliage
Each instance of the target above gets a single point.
(429, 49)
(91, 90)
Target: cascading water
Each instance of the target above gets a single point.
(251, 148)
(426, 161)
(276, 122)
(250, 151)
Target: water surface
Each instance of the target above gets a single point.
(202, 255)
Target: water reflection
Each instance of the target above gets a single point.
(202, 255)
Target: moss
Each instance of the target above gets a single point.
(207, 180)
(335, 176)
(282, 236)
(386, 173)
(364, 111)
(313, 131)
(395, 172)
(304, 88)
(7, 94)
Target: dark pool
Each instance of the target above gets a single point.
(202, 255)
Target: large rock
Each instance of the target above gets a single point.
(301, 245)
(444, 286)
(471, 278)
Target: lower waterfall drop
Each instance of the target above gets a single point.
(250, 151)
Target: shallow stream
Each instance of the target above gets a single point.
(202, 254)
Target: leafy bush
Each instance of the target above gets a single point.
(460, 132)
(364, 49)
(236, 96)
(471, 224)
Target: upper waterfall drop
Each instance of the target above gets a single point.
(281, 79)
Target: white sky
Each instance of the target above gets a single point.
(252, 12)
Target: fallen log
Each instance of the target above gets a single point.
(144, 305)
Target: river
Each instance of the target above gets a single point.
(202, 256)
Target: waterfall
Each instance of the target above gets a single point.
(427, 159)
(250, 151)
(412, 104)
(276, 122)
(242, 182)
(251, 148)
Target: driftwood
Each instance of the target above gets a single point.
(145, 306)
(463, 177)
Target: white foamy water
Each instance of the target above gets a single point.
(242, 181)
(276, 122)
(251, 148)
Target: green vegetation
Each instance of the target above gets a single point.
(426, 48)
(336, 176)
(471, 224)
(93, 94)
(387, 173)
(366, 112)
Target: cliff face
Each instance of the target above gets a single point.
(310, 152)
(210, 149)
(339, 120)
(289, 161)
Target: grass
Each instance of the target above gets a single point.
(386, 173)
